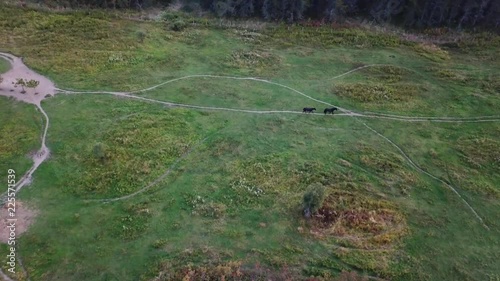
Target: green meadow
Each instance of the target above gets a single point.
(227, 203)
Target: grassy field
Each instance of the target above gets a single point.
(4, 65)
(230, 204)
(20, 131)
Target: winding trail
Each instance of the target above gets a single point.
(40, 156)
(19, 70)
(347, 112)
(419, 169)
(8, 89)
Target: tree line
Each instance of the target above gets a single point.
(410, 13)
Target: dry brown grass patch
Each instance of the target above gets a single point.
(359, 221)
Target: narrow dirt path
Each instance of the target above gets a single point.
(347, 112)
(8, 89)
(20, 70)
(40, 156)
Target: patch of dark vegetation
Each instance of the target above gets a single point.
(254, 59)
(365, 223)
(378, 92)
(328, 37)
(491, 84)
(249, 36)
(203, 207)
(206, 264)
(480, 152)
(479, 41)
(178, 25)
(387, 73)
(134, 222)
(323, 271)
(432, 52)
(264, 173)
(448, 74)
(313, 199)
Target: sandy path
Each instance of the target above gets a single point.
(20, 70)
(46, 87)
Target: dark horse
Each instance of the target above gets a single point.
(309, 109)
(330, 110)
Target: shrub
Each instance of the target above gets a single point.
(171, 16)
(193, 8)
(141, 35)
(313, 199)
(159, 243)
(178, 25)
(99, 152)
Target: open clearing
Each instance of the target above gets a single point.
(186, 153)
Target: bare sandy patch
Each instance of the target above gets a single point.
(24, 215)
(20, 70)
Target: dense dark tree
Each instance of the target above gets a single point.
(412, 13)
(288, 10)
(492, 14)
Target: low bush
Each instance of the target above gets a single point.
(141, 35)
(313, 199)
(178, 25)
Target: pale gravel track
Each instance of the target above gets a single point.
(40, 156)
(444, 119)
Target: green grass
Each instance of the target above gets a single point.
(4, 65)
(233, 204)
(20, 131)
